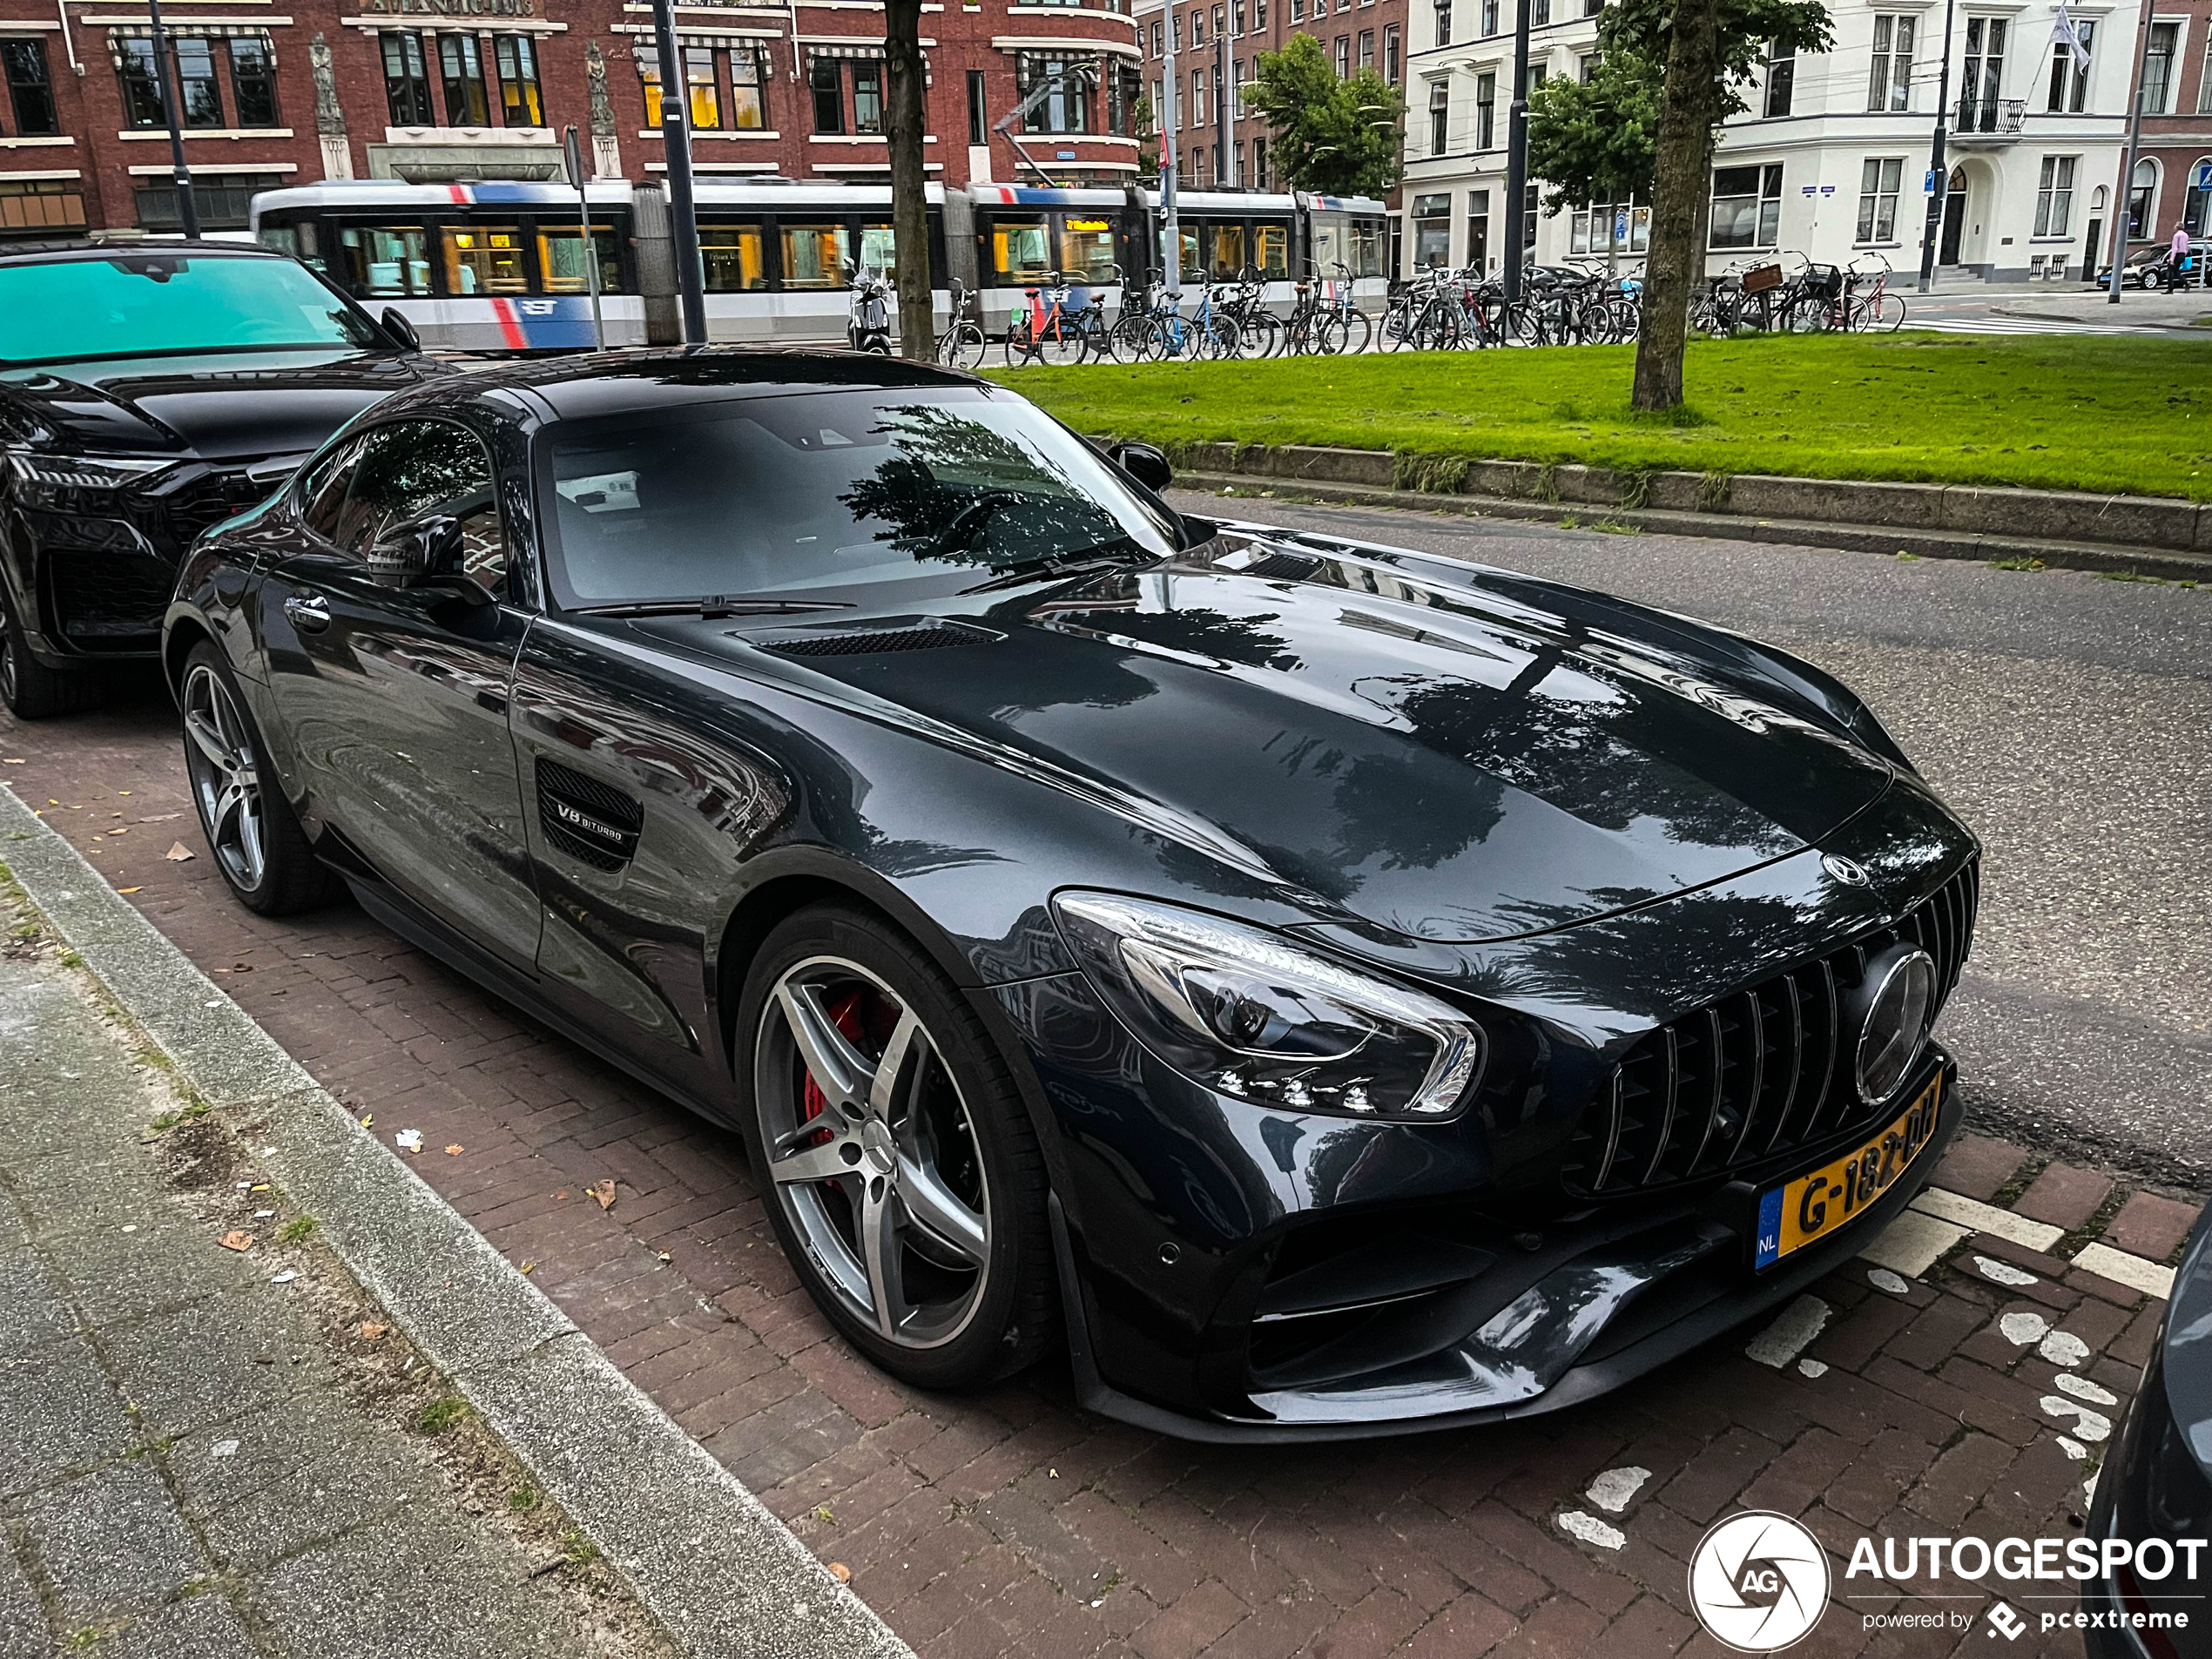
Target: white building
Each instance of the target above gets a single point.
(1831, 159)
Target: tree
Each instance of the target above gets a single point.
(1146, 131)
(1337, 136)
(1594, 140)
(1709, 49)
(909, 215)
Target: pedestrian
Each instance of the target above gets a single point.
(2183, 277)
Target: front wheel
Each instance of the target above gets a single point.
(32, 690)
(899, 1165)
(260, 851)
(962, 347)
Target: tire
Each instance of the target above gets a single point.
(1018, 348)
(962, 347)
(34, 692)
(1809, 316)
(1062, 342)
(1261, 336)
(941, 1163)
(260, 851)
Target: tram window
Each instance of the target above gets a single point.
(1328, 248)
(285, 239)
(732, 253)
(1274, 250)
(559, 250)
(1087, 249)
(814, 255)
(1228, 250)
(1367, 249)
(385, 260)
(879, 251)
(485, 258)
(1192, 270)
(1021, 250)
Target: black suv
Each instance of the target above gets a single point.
(148, 391)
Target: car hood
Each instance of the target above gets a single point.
(217, 406)
(1440, 762)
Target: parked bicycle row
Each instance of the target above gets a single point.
(1580, 303)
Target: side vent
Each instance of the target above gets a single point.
(923, 636)
(583, 818)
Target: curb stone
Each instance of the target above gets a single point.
(727, 1578)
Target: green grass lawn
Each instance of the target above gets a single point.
(2115, 413)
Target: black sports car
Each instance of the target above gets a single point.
(1339, 988)
(147, 392)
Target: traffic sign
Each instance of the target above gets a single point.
(1927, 182)
(1619, 225)
(2202, 178)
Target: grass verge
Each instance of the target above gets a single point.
(2109, 414)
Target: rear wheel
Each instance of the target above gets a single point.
(1062, 341)
(1019, 346)
(899, 1167)
(260, 848)
(32, 690)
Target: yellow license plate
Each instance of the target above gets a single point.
(1813, 1206)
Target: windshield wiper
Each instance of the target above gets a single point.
(1118, 555)
(713, 606)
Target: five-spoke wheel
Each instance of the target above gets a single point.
(260, 848)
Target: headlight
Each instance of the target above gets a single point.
(72, 483)
(1244, 1011)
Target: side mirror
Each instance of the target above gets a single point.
(413, 554)
(396, 324)
(1146, 463)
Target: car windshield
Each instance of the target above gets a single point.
(155, 304)
(815, 495)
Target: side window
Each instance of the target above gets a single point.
(322, 492)
(416, 469)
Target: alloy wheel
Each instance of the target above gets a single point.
(872, 1152)
(226, 777)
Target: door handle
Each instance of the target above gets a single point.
(309, 615)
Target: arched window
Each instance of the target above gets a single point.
(2142, 188)
(2195, 203)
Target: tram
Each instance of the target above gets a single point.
(499, 267)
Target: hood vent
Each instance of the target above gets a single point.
(922, 636)
(1282, 567)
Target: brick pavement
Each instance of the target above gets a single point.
(1013, 1523)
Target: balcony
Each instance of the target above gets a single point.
(1987, 121)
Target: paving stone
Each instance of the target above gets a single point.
(63, 1416)
(1978, 1166)
(111, 1543)
(218, 1360)
(2064, 1196)
(202, 1626)
(24, 1632)
(2150, 1226)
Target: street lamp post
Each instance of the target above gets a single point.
(676, 149)
(2125, 204)
(1517, 152)
(171, 93)
(1170, 223)
(1937, 167)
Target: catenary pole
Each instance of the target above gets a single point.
(675, 148)
(2126, 196)
(171, 84)
(1937, 165)
(1517, 154)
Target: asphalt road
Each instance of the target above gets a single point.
(2068, 717)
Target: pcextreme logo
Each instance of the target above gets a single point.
(1758, 1581)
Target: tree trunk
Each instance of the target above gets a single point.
(909, 210)
(1683, 149)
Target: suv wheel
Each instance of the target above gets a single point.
(32, 690)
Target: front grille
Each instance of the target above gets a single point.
(109, 599)
(1756, 1075)
(208, 501)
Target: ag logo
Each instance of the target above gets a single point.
(1759, 1581)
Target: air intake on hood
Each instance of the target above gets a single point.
(1281, 567)
(927, 636)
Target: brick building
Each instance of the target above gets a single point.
(2177, 84)
(1217, 44)
(291, 92)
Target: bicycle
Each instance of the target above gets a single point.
(1048, 333)
(964, 343)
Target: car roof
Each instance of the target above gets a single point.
(84, 248)
(616, 383)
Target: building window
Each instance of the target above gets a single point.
(462, 68)
(141, 78)
(1237, 17)
(1259, 16)
(1432, 230)
(1489, 18)
(407, 82)
(1878, 185)
(2193, 202)
(2204, 80)
(1585, 66)
(2158, 68)
(1440, 112)
(254, 81)
(1486, 109)
(1889, 85)
(1606, 227)
(1158, 42)
(1297, 10)
(2142, 191)
(40, 206)
(30, 93)
(1368, 43)
(198, 92)
(979, 108)
(1984, 74)
(1067, 109)
(1392, 57)
(1540, 13)
(1747, 205)
(223, 201)
(1478, 232)
(2055, 196)
(1197, 29)
(703, 89)
(1259, 164)
(1236, 86)
(519, 103)
(1781, 79)
(867, 96)
(2070, 82)
(1529, 224)
(1444, 33)
(1197, 102)
(826, 78)
(748, 88)
(1344, 57)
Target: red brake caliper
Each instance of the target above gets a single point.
(845, 1014)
